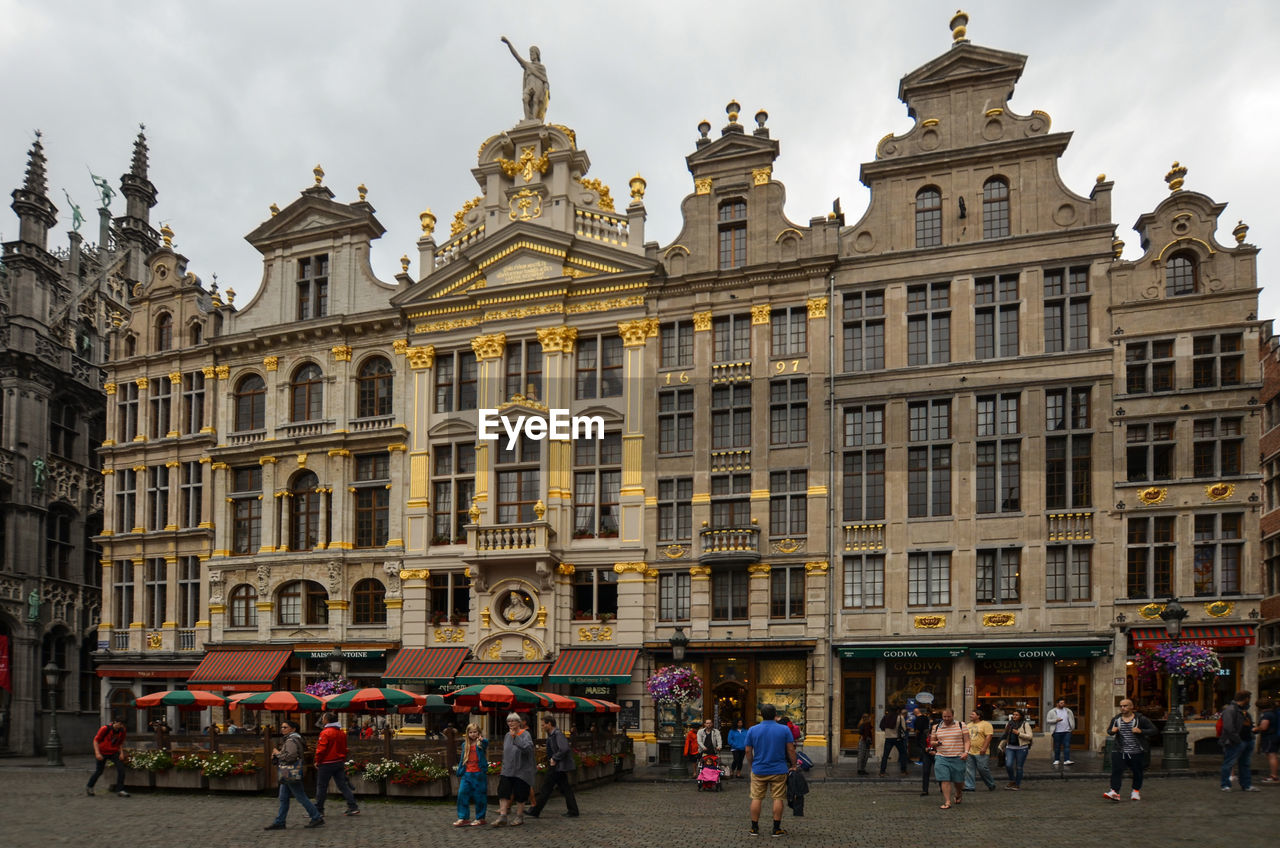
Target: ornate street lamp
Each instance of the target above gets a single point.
(1175, 729)
(335, 662)
(53, 747)
(679, 642)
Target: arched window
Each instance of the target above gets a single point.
(306, 393)
(1180, 275)
(163, 337)
(373, 388)
(62, 428)
(251, 404)
(195, 333)
(244, 609)
(304, 513)
(928, 217)
(995, 208)
(369, 602)
(57, 544)
(302, 602)
(130, 345)
(732, 215)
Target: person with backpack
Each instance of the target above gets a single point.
(107, 744)
(1237, 741)
(1268, 733)
(894, 725)
(1132, 732)
(289, 760)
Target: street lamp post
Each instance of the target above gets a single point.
(53, 747)
(335, 662)
(679, 641)
(1175, 729)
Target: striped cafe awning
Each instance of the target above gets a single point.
(514, 673)
(432, 665)
(1208, 635)
(238, 671)
(609, 666)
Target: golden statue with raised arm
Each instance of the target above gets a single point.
(536, 93)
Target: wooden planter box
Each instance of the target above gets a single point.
(430, 789)
(360, 786)
(179, 779)
(136, 778)
(236, 783)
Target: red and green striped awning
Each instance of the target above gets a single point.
(238, 671)
(514, 673)
(610, 666)
(430, 664)
(1208, 635)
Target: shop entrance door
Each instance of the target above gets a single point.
(730, 703)
(859, 697)
(1071, 684)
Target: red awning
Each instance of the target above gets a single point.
(428, 664)
(238, 671)
(142, 671)
(1208, 635)
(610, 666)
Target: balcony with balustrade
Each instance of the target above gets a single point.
(524, 542)
(730, 545)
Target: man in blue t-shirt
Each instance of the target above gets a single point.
(771, 755)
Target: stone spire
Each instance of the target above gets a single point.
(36, 213)
(140, 194)
(139, 168)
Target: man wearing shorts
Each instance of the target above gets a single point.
(950, 741)
(771, 756)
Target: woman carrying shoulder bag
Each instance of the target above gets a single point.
(1016, 743)
(289, 764)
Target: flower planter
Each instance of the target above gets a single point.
(236, 783)
(430, 789)
(179, 779)
(493, 785)
(360, 786)
(136, 778)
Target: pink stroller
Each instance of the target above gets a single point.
(709, 774)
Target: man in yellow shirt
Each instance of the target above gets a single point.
(980, 733)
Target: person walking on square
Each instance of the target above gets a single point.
(289, 763)
(519, 765)
(473, 779)
(1132, 733)
(977, 765)
(691, 745)
(107, 744)
(866, 740)
(1237, 742)
(1062, 721)
(331, 764)
(1017, 744)
(771, 754)
(894, 725)
(1268, 733)
(950, 742)
(559, 764)
(738, 745)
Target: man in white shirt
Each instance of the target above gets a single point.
(1061, 721)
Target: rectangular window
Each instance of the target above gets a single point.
(188, 592)
(864, 330)
(999, 454)
(1218, 447)
(595, 593)
(929, 324)
(929, 579)
(126, 480)
(450, 596)
(789, 330)
(161, 402)
(929, 459)
(313, 287)
(1068, 457)
(998, 574)
(523, 369)
(731, 338)
(789, 412)
(192, 402)
(453, 486)
(786, 592)
(519, 485)
(730, 416)
(729, 593)
(864, 581)
(675, 421)
(788, 504)
(444, 383)
(732, 216)
(468, 375)
(1149, 367)
(1151, 551)
(122, 593)
(675, 509)
(1150, 451)
(456, 375)
(126, 412)
(246, 510)
(863, 483)
(372, 500)
(1068, 573)
(1066, 309)
(730, 501)
(157, 497)
(1218, 361)
(1219, 548)
(597, 481)
(156, 597)
(599, 367)
(677, 344)
(673, 595)
(192, 485)
(995, 317)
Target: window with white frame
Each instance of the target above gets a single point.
(864, 581)
(929, 579)
(1068, 573)
(673, 595)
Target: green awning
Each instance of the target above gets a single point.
(1039, 652)
(900, 652)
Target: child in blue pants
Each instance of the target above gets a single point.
(473, 784)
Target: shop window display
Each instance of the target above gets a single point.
(904, 679)
(1008, 684)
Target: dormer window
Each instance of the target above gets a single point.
(928, 217)
(164, 332)
(313, 287)
(995, 208)
(733, 234)
(1180, 275)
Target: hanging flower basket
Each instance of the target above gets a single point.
(674, 685)
(324, 688)
(1178, 659)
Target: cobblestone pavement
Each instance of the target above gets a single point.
(43, 807)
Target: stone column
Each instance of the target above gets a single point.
(699, 601)
(174, 470)
(175, 403)
(144, 411)
(489, 384)
(557, 381)
(136, 634)
(630, 624)
(395, 515)
(207, 495)
(105, 625)
(634, 388)
(221, 530)
(213, 406)
(112, 414)
(169, 627)
(337, 382)
(415, 614)
(210, 602)
(758, 599)
(421, 361)
(139, 499)
(269, 543)
(343, 536)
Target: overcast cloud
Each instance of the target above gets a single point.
(242, 99)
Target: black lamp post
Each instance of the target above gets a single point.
(1175, 729)
(679, 641)
(334, 662)
(53, 747)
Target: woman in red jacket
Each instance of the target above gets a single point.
(691, 751)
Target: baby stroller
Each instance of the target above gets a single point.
(709, 773)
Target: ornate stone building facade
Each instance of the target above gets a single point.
(958, 447)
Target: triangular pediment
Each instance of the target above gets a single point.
(452, 428)
(734, 145)
(964, 61)
(313, 215)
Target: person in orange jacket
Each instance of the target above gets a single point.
(691, 751)
(331, 764)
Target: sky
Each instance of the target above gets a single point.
(242, 99)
